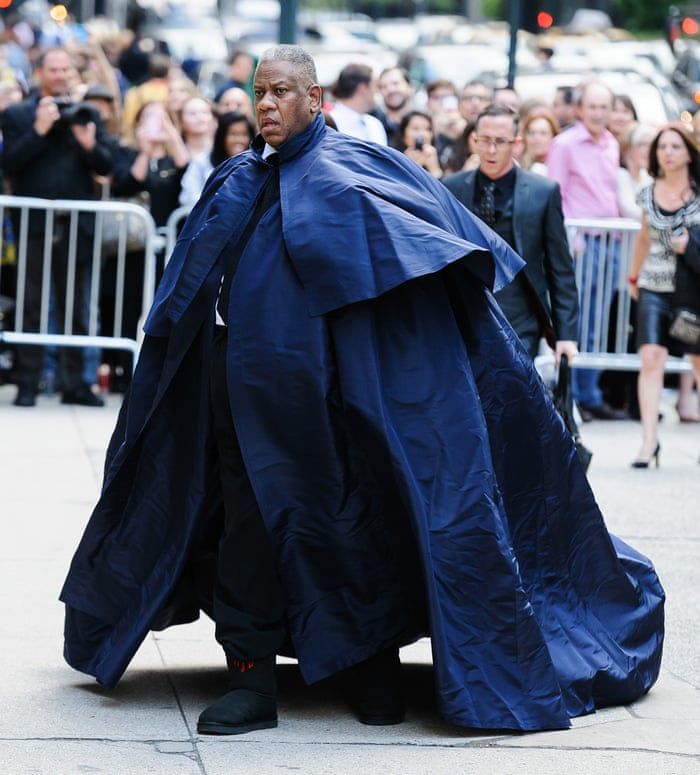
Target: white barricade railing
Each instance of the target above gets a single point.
(172, 229)
(602, 249)
(131, 232)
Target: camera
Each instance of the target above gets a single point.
(76, 112)
(420, 142)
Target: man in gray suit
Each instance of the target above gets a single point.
(525, 210)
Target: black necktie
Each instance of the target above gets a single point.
(487, 206)
(268, 196)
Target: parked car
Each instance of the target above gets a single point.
(192, 37)
(459, 63)
(654, 99)
(686, 75)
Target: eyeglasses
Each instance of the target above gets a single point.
(497, 142)
(474, 97)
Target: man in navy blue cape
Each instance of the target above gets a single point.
(410, 470)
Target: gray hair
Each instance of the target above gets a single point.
(296, 55)
(582, 89)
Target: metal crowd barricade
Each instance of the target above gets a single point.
(124, 220)
(172, 228)
(602, 250)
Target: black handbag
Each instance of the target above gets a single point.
(564, 404)
(685, 326)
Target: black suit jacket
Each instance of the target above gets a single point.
(541, 241)
(53, 166)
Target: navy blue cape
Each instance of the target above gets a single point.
(411, 470)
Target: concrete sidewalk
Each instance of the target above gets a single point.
(55, 721)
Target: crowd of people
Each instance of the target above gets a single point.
(152, 135)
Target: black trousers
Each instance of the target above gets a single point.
(30, 358)
(248, 605)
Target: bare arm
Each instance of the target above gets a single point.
(641, 249)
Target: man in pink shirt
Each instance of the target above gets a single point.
(584, 161)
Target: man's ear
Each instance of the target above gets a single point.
(315, 96)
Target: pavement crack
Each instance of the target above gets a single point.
(71, 739)
(97, 471)
(622, 749)
(193, 739)
(686, 681)
(661, 539)
(477, 744)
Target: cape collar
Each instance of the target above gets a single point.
(295, 145)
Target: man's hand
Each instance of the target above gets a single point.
(86, 135)
(565, 347)
(46, 116)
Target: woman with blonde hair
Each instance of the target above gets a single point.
(198, 126)
(633, 175)
(180, 90)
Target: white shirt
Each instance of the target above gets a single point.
(627, 190)
(196, 174)
(267, 151)
(360, 125)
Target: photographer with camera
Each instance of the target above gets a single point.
(52, 148)
(415, 139)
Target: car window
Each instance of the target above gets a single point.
(693, 69)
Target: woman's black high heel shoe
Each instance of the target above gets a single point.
(645, 463)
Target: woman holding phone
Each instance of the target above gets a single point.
(151, 167)
(670, 205)
(155, 163)
(415, 139)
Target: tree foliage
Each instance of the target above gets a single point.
(642, 14)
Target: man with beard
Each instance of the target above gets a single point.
(395, 88)
(334, 444)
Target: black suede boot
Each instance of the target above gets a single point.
(375, 689)
(251, 704)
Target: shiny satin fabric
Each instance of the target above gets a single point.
(407, 461)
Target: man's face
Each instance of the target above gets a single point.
(394, 90)
(364, 97)
(595, 108)
(56, 74)
(495, 143)
(473, 100)
(241, 68)
(235, 100)
(285, 104)
(565, 112)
